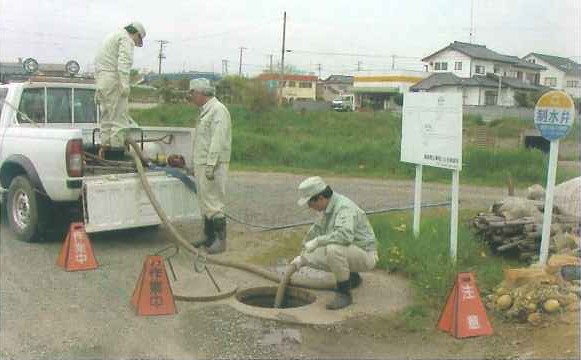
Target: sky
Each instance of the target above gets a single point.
(323, 36)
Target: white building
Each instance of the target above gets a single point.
(561, 73)
(484, 76)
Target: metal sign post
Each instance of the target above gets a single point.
(554, 117)
(432, 135)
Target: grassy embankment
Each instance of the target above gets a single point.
(357, 144)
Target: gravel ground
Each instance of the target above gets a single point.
(47, 313)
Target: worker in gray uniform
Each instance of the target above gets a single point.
(212, 148)
(342, 241)
(112, 71)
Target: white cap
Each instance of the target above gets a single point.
(309, 188)
(203, 85)
(139, 27)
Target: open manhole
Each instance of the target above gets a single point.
(264, 297)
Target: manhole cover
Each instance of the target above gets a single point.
(264, 297)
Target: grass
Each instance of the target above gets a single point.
(425, 261)
(352, 144)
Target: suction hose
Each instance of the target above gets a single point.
(179, 240)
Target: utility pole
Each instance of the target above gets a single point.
(319, 67)
(242, 48)
(281, 82)
(359, 66)
(392, 62)
(271, 68)
(161, 55)
(224, 67)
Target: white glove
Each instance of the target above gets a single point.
(209, 172)
(297, 262)
(311, 245)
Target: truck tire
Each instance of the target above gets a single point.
(26, 210)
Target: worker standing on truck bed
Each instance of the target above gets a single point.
(112, 69)
(342, 241)
(212, 148)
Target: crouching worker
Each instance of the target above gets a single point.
(212, 148)
(342, 241)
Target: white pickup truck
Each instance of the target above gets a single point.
(47, 126)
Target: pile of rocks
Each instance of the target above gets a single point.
(533, 294)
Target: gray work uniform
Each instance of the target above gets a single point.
(346, 241)
(212, 146)
(112, 68)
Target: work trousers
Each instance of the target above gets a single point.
(341, 260)
(211, 193)
(114, 110)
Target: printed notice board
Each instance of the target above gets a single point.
(432, 130)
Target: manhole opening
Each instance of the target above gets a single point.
(264, 297)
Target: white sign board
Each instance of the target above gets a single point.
(432, 130)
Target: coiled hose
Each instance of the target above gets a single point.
(179, 240)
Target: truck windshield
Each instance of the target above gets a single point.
(85, 108)
(63, 105)
(32, 104)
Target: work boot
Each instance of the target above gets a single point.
(342, 296)
(219, 244)
(355, 280)
(209, 237)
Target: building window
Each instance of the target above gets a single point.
(496, 69)
(292, 84)
(305, 85)
(532, 61)
(551, 81)
(530, 78)
(479, 69)
(490, 98)
(441, 66)
(458, 65)
(519, 75)
(572, 83)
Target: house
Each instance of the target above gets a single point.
(334, 86)
(295, 87)
(484, 76)
(562, 73)
(478, 90)
(376, 91)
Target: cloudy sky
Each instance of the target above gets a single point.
(338, 36)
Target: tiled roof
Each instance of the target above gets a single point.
(490, 80)
(289, 77)
(482, 52)
(568, 66)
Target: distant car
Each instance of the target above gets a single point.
(343, 103)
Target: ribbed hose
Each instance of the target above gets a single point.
(180, 241)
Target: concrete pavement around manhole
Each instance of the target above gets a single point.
(380, 294)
